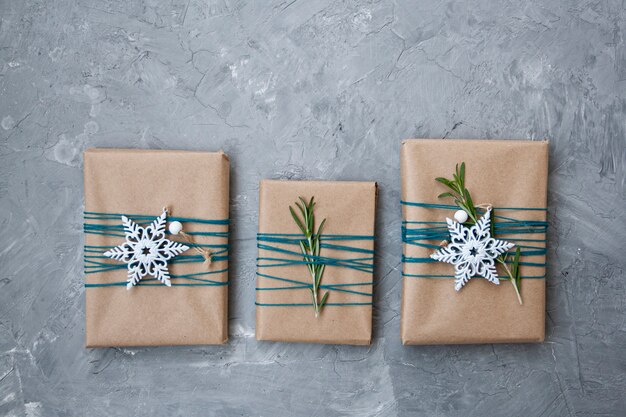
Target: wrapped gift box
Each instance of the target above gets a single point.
(194, 186)
(284, 303)
(507, 175)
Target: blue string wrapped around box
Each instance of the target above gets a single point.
(107, 224)
(364, 262)
(430, 234)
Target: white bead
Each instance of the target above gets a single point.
(175, 227)
(460, 216)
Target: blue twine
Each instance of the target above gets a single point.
(93, 253)
(453, 207)
(452, 276)
(310, 304)
(438, 231)
(359, 263)
(92, 215)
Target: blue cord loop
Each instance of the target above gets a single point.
(94, 257)
(429, 234)
(362, 260)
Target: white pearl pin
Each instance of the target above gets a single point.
(176, 227)
(460, 216)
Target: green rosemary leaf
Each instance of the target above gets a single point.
(470, 203)
(517, 275)
(462, 174)
(305, 211)
(297, 220)
(492, 224)
(467, 196)
(311, 225)
(310, 217)
(443, 195)
(515, 267)
(318, 275)
(301, 208)
(321, 227)
(324, 297)
(444, 181)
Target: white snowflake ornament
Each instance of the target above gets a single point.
(146, 250)
(472, 251)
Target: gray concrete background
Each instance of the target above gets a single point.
(310, 89)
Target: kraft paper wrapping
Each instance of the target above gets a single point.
(504, 174)
(349, 209)
(190, 184)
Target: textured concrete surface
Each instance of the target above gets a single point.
(310, 89)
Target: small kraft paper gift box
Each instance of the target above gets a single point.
(474, 241)
(156, 247)
(315, 261)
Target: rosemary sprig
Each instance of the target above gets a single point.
(459, 193)
(463, 199)
(310, 248)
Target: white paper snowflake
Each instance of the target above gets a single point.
(472, 251)
(146, 250)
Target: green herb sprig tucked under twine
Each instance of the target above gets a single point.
(463, 199)
(310, 247)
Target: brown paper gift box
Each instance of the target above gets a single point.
(499, 172)
(349, 209)
(191, 185)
